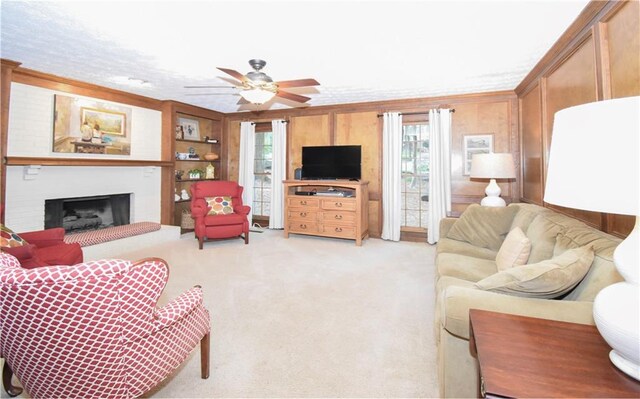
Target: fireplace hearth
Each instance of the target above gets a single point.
(80, 214)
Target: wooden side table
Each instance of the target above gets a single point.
(528, 357)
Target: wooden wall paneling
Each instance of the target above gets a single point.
(571, 82)
(362, 128)
(531, 144)
(167, 185)
(53, 82)
(233, 150)
(311, 130)
(481, 118)
(6, 70)
(622, 29)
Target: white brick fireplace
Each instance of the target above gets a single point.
(31, 135)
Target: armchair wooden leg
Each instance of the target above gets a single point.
(204, 356)
(246, 238)
(7, 373)
(200, 242)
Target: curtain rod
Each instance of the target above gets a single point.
(414, 113)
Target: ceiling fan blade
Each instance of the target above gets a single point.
(233, 73)
(209, 87)
(297, 83)
(293, 97)
(211, 94)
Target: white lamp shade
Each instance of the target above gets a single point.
(493, 166)
(593, 161)
(257, 96)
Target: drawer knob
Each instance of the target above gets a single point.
(338, 217)
(338, 229)
(339, 204)
(303, 226)
(303, 202)
(303, 214)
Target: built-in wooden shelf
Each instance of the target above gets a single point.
(192, 180)
(196, 160)
(196, 141)
(50, 161)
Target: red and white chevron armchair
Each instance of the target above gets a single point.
(93, 330)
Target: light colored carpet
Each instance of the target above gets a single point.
(307, 317)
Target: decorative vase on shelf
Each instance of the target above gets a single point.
(211, 156)
(176, 197)
(184, 195)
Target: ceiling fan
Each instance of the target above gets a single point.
(257, 87)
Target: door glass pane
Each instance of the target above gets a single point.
(415, 175)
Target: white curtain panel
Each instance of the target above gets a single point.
(278, 173)
(247, 158)
(391, 175)
(439, 171)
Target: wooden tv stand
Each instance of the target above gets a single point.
(327, 215)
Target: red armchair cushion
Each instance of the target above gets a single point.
(45, 238)
(61, 254)
(224, 220)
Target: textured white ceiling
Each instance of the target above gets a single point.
(358, 51)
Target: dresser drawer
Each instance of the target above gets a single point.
(301, 226)
(339, 230)
(338, 217)
(339, 204)
(303, 202)
(302, 214)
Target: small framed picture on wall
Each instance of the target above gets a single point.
(475, 144)
(190, 129)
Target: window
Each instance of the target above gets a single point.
(262, 172)
(415, 175)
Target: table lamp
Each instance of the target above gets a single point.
(492, 166)
(593, 165)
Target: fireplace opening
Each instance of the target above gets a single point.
(87, 213)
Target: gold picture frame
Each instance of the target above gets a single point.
(108, 122)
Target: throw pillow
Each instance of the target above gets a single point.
(547, 279)
(514, 250)
(9, 239)
(483, 226)
(219, 205)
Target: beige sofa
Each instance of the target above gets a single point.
(460, 264)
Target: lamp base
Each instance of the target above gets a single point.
(616, 312)
(493, 195)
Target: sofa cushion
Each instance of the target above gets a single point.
(542, 232)
(547, 279)
(482, 226)
(221, 205)
(448, 245)
(464, 267)
(514, 250)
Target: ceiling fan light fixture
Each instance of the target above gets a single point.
(257, 95)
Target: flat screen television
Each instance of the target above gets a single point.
(331, 162)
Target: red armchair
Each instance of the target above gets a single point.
(46, 248)
(232, 224)
(93, 329)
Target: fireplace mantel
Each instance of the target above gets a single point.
(55, 161)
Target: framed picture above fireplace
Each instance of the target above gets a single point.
(87, 126)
